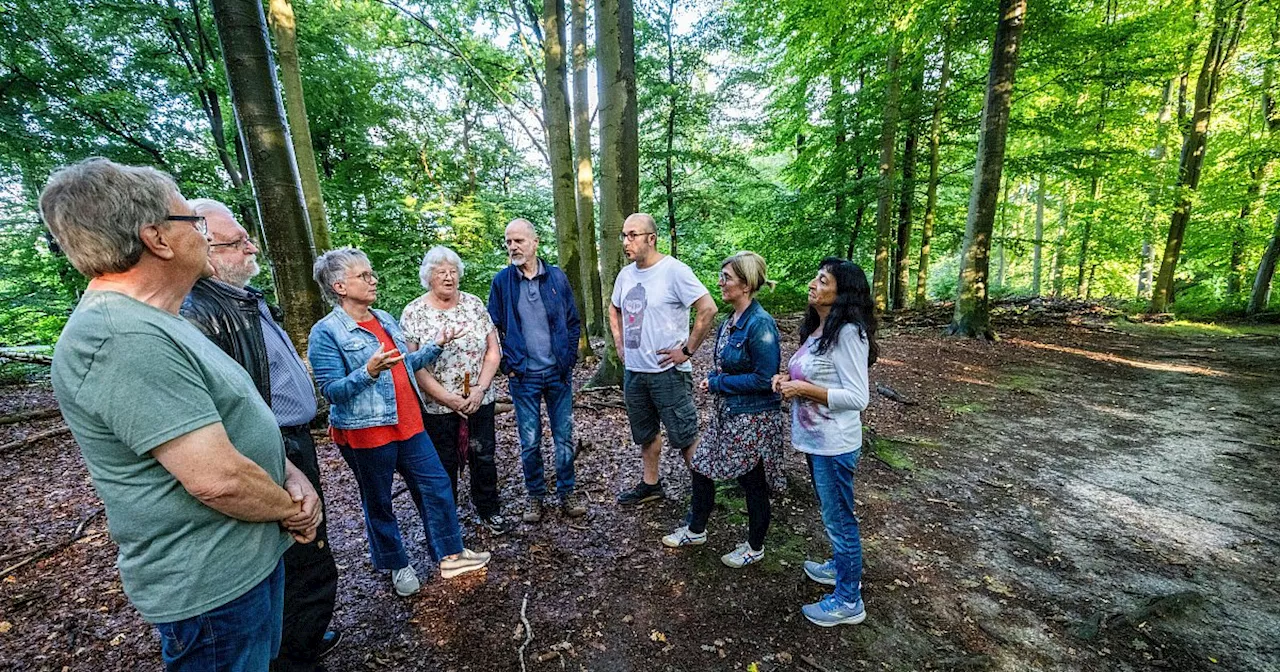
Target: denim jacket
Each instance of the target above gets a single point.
(750, 359)
(338, 350)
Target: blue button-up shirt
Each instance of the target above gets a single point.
(293, 398)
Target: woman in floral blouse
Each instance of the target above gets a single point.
(458, 385)
(744, 438)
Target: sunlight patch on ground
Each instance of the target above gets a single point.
(1191, 535)
(1115, 359)
(1187, 328)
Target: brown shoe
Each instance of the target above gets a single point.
(573, 505)
(532, 511)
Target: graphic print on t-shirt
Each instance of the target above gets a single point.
(633, 306)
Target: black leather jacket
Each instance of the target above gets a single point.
(229, 317)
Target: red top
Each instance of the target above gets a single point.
(407, 409)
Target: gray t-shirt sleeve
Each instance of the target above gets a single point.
(147, 390)
(685, 284)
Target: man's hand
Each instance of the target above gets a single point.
(303, 524)
(673, 355)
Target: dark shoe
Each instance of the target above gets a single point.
(573, 505)
(496, 524)
(642, 493)
(532, 511)
(329, 643)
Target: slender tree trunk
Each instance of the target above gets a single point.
(907, 197)
(593, 309)
(860, 172)
(931, 199)
(1060, 242)
(1240, 232)
(242, 30)
(1158, 154)
(1001, 228)
(1038, 243)
(972, 314)
(1095, 213)
(1228, 20)
(619, 151)
(284, 30)
(673, 101)
(839, 150)
(1261, 292)
(555, 106)
(884, 201)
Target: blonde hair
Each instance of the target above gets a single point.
(751, 268)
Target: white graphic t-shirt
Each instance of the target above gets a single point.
(655, 311)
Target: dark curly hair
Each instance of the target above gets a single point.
(853, 306)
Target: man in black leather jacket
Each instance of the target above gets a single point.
(237, 318)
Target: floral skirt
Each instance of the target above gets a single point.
(732, 444)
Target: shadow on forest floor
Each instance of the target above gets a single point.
(1074, 497)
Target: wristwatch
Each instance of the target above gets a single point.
(685, 350)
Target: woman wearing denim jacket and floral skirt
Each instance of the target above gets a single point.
(826, 382)
(363, 368)
(743, 441)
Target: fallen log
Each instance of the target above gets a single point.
(26, 416)
(33, 439)
(26, 357)
(53, 548)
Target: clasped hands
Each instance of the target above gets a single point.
(303, 524)
(789, 389)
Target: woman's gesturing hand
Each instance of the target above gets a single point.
(446, 335)
(382, 360)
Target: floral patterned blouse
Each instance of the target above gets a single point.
(464, 355)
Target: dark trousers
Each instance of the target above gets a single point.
(443, 430)
(756, 488)
(310, 573)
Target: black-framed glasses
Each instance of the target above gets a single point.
(633, 235)
(243, 244)
(194, 220)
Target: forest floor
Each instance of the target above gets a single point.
(1086, 494)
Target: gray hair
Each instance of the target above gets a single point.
(206, 206)
(433, 258)
(96, 209)
(332, 267)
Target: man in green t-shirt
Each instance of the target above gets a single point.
(180, 446)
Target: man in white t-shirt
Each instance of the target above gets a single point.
(649, 316)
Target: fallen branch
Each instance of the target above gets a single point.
(54, 548)
(26, 357)
(26, 416)
(599, 405)
(34, 438)
(892, 395)
(528, 630)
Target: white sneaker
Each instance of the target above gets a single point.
(683, 537)
(405, 581)
(466, 561)
(742, 556)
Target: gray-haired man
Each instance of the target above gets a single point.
(239, 321)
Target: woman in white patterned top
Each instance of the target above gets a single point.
(458, 385)
(826, 382)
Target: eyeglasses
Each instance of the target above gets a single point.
(243, 244)
(633, 235)
(194, 220)
(369, 277)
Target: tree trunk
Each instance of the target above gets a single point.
(972, 314)
(273, 171)
(1158, 153)
(1260, 295)
(1001, 230)
(884, 200)
(1240, 232)
(1060, 242)
(673, 100)
(1228, 20)
(931, 199)
(1095, 212)
(284, 30)
(593, 309)
(619, 151)
(839, 149)
(1038, 243)
(555, 110)
(907, 197)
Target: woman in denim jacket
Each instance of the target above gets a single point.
(744, 437)
(363, 368)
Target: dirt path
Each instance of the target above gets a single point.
(1072, 498)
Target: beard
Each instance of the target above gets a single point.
(238, 273)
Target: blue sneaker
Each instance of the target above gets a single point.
(824, 573)
(831, 611)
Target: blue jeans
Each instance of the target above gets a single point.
(419, 465)
(242, 635)
(527, 392)
(833, 479)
